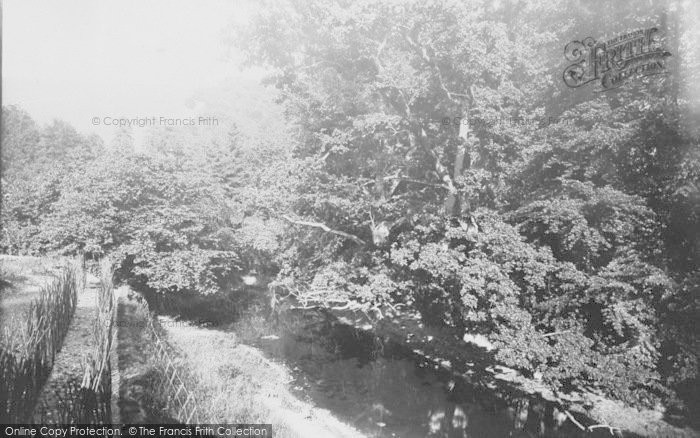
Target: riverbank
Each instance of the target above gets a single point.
(385, 391)
(244, 386)
(397, 377)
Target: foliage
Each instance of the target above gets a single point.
(559, 224)
(577, 255)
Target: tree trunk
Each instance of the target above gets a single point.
(455, 205)
(453, 202)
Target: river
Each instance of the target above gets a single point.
(385, 391)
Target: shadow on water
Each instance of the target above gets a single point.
(384, 390)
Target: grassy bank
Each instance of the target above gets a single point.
(234, 382)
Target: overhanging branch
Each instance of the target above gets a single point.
(325, 228)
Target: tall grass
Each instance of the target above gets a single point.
(26, 357)
(91, 403)
(97, 366)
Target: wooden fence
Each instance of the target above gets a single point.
(27, 356)
(181, 401)
(83, 396)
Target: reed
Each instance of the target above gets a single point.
(27, 356)
(89, 403)
(98, 361)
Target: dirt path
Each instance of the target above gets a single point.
(68, 366)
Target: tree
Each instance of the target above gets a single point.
(123, 142)
(20, 139)
(567, 242)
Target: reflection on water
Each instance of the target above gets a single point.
(387, 394)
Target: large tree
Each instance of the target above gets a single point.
(448, 167)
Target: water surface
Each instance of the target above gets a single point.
(384, 391)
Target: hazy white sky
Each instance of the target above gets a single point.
(80, 59)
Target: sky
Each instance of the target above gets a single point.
(105, 60)
(87, 60)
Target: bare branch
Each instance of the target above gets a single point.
(612, 429)
(325, 228)
(573, 420)
(556, 333)
(424, 54)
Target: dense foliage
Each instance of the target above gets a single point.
(562, 225)
(436, 161)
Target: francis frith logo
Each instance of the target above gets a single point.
(615, 61)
